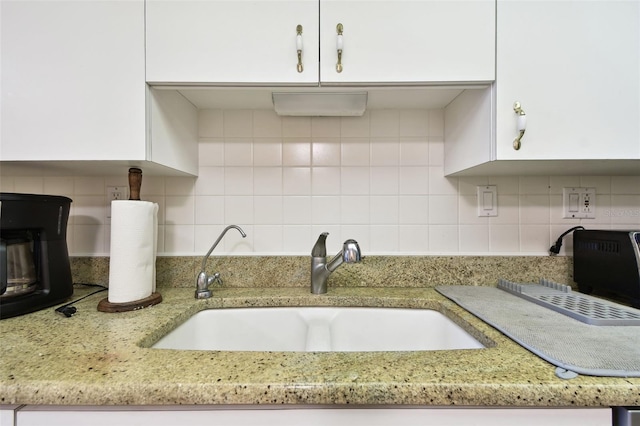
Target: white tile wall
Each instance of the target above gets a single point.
(376, 178)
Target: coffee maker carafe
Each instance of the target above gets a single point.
(34, 260)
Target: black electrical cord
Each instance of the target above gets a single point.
(69, 310)
(555, 249)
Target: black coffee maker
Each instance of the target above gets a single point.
(34, 259)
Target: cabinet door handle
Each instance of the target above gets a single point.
(299, 47)
(339, 46)
(521, 125)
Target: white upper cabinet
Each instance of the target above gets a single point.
(408, 41)
(74, 96)
(73, 80)
(574, 67)
(230, 42)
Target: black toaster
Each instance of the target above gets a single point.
(608, 261)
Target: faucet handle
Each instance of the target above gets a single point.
(215, 278)
(320, 248)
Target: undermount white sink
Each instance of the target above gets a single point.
(313, 329)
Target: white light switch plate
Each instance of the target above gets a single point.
(487, 201)
(579, 203)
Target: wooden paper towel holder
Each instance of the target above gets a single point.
(135, 182)
(105, 306)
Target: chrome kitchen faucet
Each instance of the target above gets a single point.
(321, 269)
(203, 281)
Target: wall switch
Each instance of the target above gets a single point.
(579, 203)
(115, 193)
(487, 200)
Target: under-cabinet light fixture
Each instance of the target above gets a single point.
(320, 104)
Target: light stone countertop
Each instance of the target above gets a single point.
(96, 358)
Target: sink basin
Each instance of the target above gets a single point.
(312, 329)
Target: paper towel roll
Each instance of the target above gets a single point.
(132, 264)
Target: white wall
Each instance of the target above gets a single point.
(376, 178)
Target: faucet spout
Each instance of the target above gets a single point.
(203, 281)
(321, 269)
(350, 254)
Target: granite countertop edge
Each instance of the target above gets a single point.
(96, 358)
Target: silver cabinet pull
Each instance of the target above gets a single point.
(521, 125)
(299, 47)
(339, 46)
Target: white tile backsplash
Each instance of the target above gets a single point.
(377, 178)
(384, 210)
(210, 123)
(444, 239)
(325, 180)
(325, 210)
(385, 123)
(296, 127)
(414, 181)
(535, 209)
(180, 210)
(325, 127)
(326, 152)
(266, 124)
(268, 238)
(296, 210)
(384, 238)
(384, 180)
(413, 239)
(355, 127)
(296, 152)
(209, 210)
(238, 181)
(535, 237)
(59, 185)
(180, 238)
(267, 181)
(268, 210)
(385, 152)
(504, 238)
(237, 123)
(413, 210)
(240, 208)
(355, 152)
(355, 210)
(296, 180)
(354, 181)
(238, 152)
(443, 210)
(211, 181)
(625, 185)
(474, 238)
(414, 151)
(414, 122)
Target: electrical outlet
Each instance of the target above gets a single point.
(115, 193)
(579, 203)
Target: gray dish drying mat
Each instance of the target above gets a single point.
(559, 339)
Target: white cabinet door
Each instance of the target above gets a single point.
(72, 80)
(331, 415)
(8, 415)
(408, 41)
(575, 68)
(230, 41)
